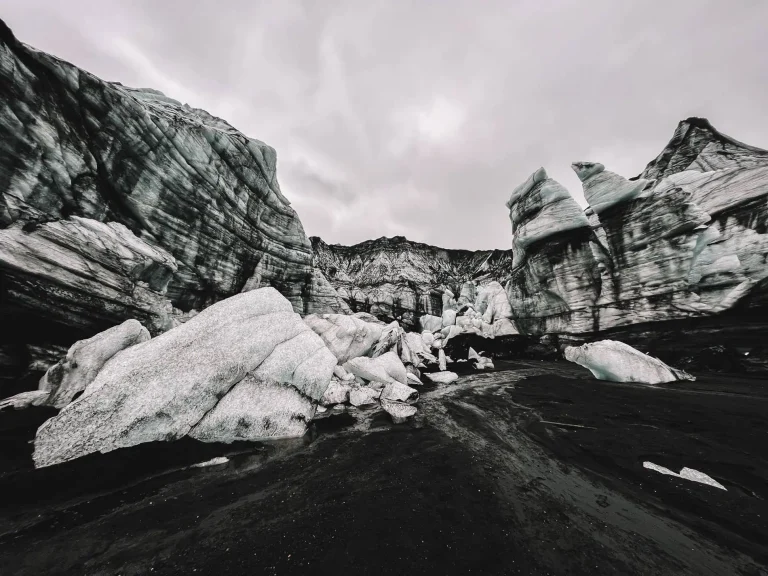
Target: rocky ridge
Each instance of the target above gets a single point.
(397, 279)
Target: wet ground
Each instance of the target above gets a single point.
(532, 469)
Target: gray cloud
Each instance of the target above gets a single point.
(418, 118)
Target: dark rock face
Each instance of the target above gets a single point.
(396, 279)
(122, 203)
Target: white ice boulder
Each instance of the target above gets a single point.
(468, 293)
(163, 388)
(385, 368)
(481, 362)
(407, 355)
(85, 358)
(618, 362)
(442, 377)
(437, 343)
(388, 340)
(255, 409)
(346, 336)
(400, 393)
(363, 396)
(449, 301)
(73, 373)
(399, 411)
(342, 374)
(414, 380)
(336, 393)
(416, 343)
(464, 322)
(412, 370)
(430, 323)
(504, 327)
(484, 364)
(493, 299)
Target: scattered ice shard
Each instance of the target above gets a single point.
(687, 474)
(696, 476)
(213, 462)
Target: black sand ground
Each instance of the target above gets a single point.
(533, 469)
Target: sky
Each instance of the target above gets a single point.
(419, 118)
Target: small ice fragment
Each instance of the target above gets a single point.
(686, 474)
(214, 462)
(658, 468)
(696, 476)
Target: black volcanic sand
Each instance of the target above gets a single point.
(534, 468)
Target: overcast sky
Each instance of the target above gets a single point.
(419, 118)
